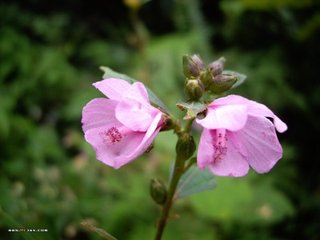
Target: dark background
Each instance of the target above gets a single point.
(50, 52)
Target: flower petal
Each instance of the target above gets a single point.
(139, 93)
(134, 110)
(113, 88)
(254, 108)
(134, 115)
(149, 136)
(258, 109)
(230, 117)
(233, 163)
(98, 112)
(230, 100)
(114, 154)
(205, 149)
(260, 143)
(126, 145)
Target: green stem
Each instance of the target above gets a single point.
(190, 163)
(140, 31)
(179, 169)
(177, 173)
(188, 125)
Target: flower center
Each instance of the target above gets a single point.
(112, 135)
(219, 145)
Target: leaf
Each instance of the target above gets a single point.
(109, 73)
(226, 203)
(195, 181)
(246, 200)
(240, 77)
(192, 108)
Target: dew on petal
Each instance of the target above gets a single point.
(112, 135)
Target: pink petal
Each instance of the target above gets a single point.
(134, 115)
(149, 136)
(114, 154)
(113, 88)
(125, 147)
(139, 93)
(259, 139)
(230, 100)
(254, 108)
(258, 109)
(98, 112)
(232, 163)
(205, 149)
(231, 117)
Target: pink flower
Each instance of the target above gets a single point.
(237, 134)
(122, 126)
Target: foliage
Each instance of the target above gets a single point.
(49, 56)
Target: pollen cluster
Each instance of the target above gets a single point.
(219, 145)
(112, 135)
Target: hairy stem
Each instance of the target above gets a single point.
(188, 125)
(177, 173)
(179, 169)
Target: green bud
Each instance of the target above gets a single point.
(194, 89)
(192, 66)
(222, 83)
(216, 67)
(158, 191)
(206, 78)
(185, 146)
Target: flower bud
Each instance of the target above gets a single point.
(194, 89)
(192, 66)
(222, 83)
(158, 191)
(206, 78)
(216, 67)
(185, 146)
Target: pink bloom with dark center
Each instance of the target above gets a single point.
(122, 126)
(237, 134)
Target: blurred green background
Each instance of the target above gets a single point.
(50, 52)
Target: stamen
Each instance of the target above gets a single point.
(219, 145)
(112, 135)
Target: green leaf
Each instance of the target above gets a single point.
(243, 199)
(226, 202)
(192, 108)
(109, 73)
(195, 181)
(240, 77)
